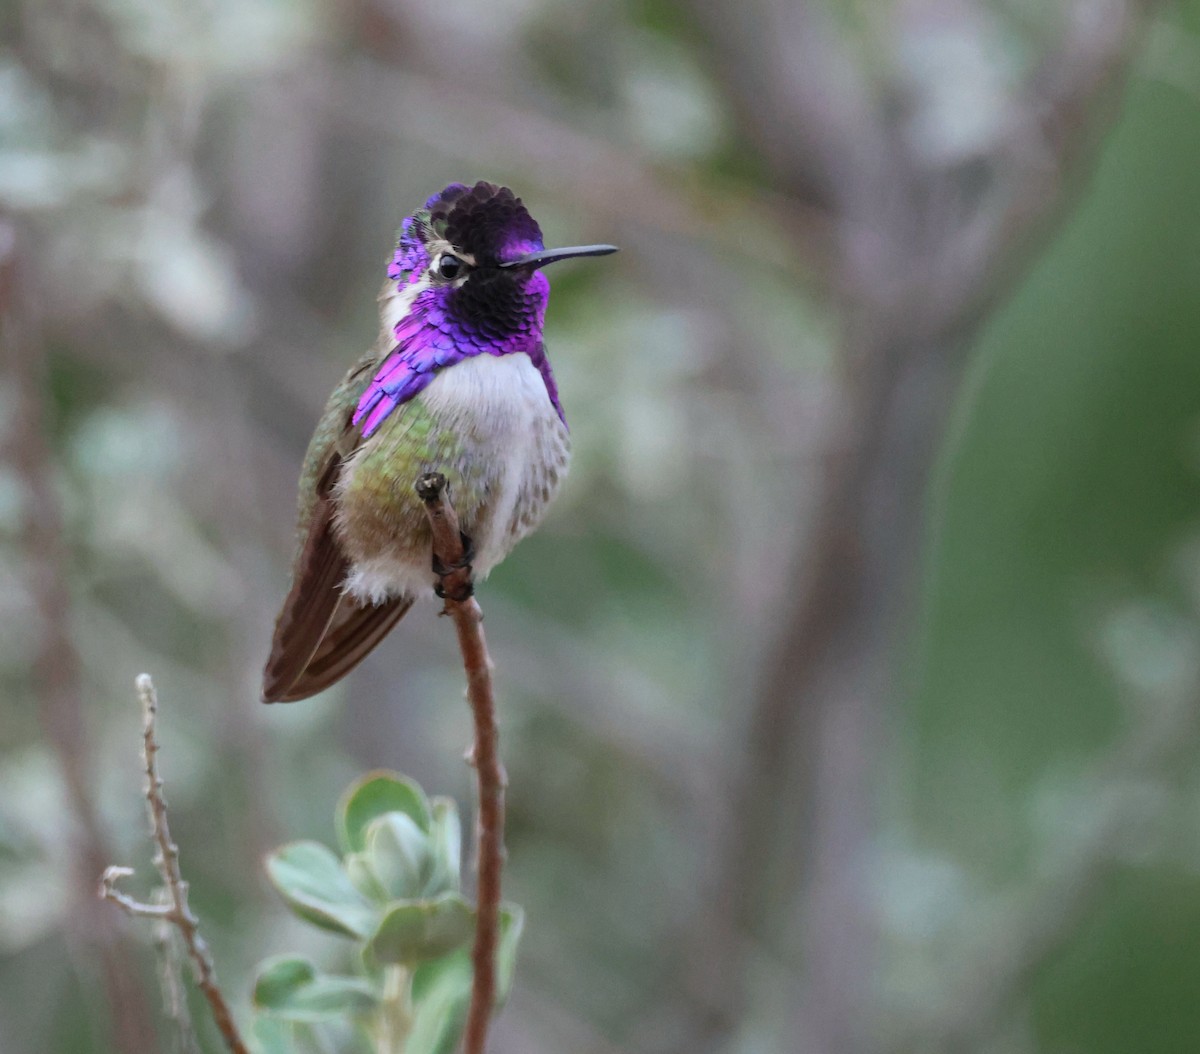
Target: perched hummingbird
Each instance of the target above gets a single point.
(458, 383)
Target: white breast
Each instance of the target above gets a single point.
(500, 392)
(506, 428)
(501, 403)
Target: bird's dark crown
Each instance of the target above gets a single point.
(485, 221)
(486, 304)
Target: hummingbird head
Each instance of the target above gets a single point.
(472, 258)
(468, 282)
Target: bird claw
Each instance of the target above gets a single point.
(460, 591)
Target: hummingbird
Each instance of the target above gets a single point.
(457, 383)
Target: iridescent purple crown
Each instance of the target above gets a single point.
(485, 221)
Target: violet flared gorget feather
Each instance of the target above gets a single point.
(502, 315)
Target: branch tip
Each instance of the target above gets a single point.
(430, 487)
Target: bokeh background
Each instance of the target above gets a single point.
(849, 694)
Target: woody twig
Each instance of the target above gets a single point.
(453, 561)
(175, 910)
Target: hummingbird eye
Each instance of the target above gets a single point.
(450, 266)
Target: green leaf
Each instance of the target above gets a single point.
(373, 795)
(441, 998)
(279, 976)
(445, 843)
(270, 1035)
(363, 877)
(416, 930)
(316, 887)
(292, 988)
(441, 990)
(274, 1035)
(512, 923)
(398, 854)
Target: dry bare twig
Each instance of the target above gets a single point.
(176, 910)
(170, 970)
(461, 606)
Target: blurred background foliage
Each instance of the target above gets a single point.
(197, 204)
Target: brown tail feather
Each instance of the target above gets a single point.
(350, 638)
(309, 606)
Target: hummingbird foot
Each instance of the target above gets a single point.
(463, 588)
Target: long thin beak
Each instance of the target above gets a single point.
(549, 256)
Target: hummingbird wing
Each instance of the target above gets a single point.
(352, 634)
(321, 634)
(310, 604)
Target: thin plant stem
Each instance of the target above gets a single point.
(462, 607)
(176, 911)
(171, 980)
(396, 1011)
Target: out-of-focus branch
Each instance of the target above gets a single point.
(916, 280)
(55, 661)
(166, 858)
(601, 178)
(1047, 148)
(468, 624)
(799, 96)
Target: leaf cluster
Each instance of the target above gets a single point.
(395, 891)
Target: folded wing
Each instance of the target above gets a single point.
(322, 633)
